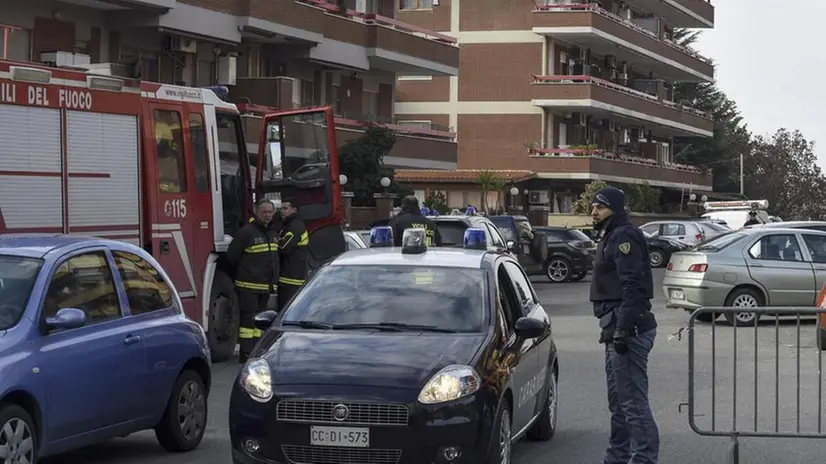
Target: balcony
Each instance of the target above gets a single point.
(390, 44)
(693, 14)
(431, 147)
(597, 164)
(605, 33)
(115, 5)
(626, 106)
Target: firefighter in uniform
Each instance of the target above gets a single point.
(621, 291)
(253, 254)
(411, 217)
(293, 249)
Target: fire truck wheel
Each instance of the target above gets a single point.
(223, 318)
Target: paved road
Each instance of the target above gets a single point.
(583, 419)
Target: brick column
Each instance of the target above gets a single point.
(384, 204)
(347, 206)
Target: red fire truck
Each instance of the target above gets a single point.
(163, 167)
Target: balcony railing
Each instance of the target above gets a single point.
(603, 154)
(363, 121)
(590, 80)
(596, 9)
(383, 21)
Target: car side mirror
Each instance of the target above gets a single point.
(511, 245)
(264, 319)
(527, 328)
(66, 318)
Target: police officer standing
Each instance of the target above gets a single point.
(411, 217)
(293, 243)
(752, 219)
(621, 290)
(253, 253)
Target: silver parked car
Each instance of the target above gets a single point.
(761, 266)
(812, 225)
(690, 232)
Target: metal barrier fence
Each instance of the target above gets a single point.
(770, 354)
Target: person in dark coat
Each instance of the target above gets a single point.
(293, 246)
(253, 254)
(411, 217)
(621, 291)
(752, 219)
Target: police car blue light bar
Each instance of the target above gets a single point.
(414, 241)
(475, 239)
(381, 236)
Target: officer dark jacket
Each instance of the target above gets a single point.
(751, 222)
(293, 244)
(622, 285)
(253, 254)
(415, 220)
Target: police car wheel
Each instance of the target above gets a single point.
(545, 426)
(558, 270)
(18, 435)
(501, 442)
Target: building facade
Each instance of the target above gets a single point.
(280, 53)
(573, 91)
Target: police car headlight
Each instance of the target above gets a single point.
(256, 379)
(451, 383)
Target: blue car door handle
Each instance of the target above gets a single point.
(131, 339)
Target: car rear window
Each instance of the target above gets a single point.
(17, 278)
(452, 232)
(446, 297)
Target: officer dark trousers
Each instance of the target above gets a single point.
(250, 304)
(286, 293)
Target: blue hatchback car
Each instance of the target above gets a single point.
(94, 345)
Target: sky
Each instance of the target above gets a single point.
(768, 56)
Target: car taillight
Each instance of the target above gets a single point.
(698, 268)
(670, 267)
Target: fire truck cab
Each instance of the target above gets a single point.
(163, 167)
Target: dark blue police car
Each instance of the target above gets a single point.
(396, 356)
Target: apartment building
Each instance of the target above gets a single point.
(281, 53)
(571, 90)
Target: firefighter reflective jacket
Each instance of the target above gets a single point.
(294, 252)
(253, 254)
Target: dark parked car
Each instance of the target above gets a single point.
(570, 253)
(660, 249)
(442, 355)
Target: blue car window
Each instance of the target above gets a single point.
(17, 278)
(145, 288)
(84, 282)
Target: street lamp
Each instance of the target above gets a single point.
(704, 198)
(514, 191)
(692, 197)
(385, 182)
(342, 179)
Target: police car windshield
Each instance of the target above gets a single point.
(17, 277)
(451, 299)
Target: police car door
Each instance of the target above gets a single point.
(524, 368)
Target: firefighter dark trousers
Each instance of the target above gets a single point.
(286, 292)
(250, 304)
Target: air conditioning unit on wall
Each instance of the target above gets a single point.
(182, 45)
(538, 197)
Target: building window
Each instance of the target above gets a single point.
(415, 78)
(415, 4)
(418, 124)
(19, 48)
(205, 73)
(370, 104)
